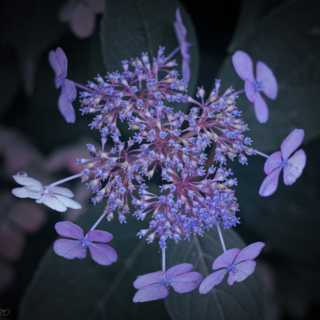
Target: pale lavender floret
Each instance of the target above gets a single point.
(238, 263)
(154, 286)
(57, 198)
(181, 33)
(292, 167)
(265, 81)
(59, 64)
(70, 249)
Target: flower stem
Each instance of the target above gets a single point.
(172, 54)
(221, 239)
(98, 221)
(164, 260)
(261, 154)
(240, 91)
(64, 180)
(82, 87)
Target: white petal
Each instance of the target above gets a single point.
(62, 191)
(27, 181)
(68, 202)
(52, 202)
(27, 192)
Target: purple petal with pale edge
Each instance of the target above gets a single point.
(63, 62)
(186, 282)
(212, 280)
(150, 293)
(294, 168)
(103, 254)
(27, 192)
(99, 236)
(243, 65)
(70, 90)
(66, 108)
(52, 203)
(149, 278)
(68, 202)
(69, 229)
(225, 259)
(54, 63)
(268, 80)
(27, 181)
(250, 252)
(186, 71)
(69, 249)
(291, 143)
(270, 183)
(273, 162)
(250, 90)
(245, 269)
(260, 108)
(180, 31)
(62, 191)
(178, 269)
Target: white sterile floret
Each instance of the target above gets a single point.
(57, 198)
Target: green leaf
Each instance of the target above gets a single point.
(244, 300)
(285, 37)
(81, 289)
(131, 27)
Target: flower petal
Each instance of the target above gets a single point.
(69, 249)
(68, 202)
(27, 181)
(70, 90)
(103, 254)
(66, 108)
(150, 293)
(294, 168)
(63, 62)
(54, 63)
(69, 229)
(268, 80)
(52, 202)
(149, 278)
(178, 269)
(82, 22)
(212, 280)
(243, 65)
(27, 192)
(62, 191)
(250, 252)
(186, 70)
(250, 90)
(179, 28)
(291, 143)
(99, 236)
(260, 108)
(96, 6)
(225, 259)
(245, 269)
(270, 183)
(186, 282)
(273, 162)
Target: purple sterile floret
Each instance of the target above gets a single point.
(238, 263)
(154, 286)
(70, 249)
(265, 81)
(59, 64)
(181, 33)
(292, 167)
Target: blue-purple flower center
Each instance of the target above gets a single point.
(85, 243)
(284, 164)
(233, 268)
(165, 281)
(258, 85)
(59, 82)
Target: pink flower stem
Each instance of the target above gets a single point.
(64, 180)
(240, 91)
(98, 221)
(82, 87)
(172, 54)
(164, 260)
(221, 239)
(261, 154)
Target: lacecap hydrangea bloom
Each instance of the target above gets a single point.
(193, 197)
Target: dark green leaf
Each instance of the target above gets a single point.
(286, 37)
(132, 27)
(244, 300)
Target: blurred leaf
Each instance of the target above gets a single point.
(32, 28)
(132, 27)
(81, 289)
(243, 300)
(284, 37)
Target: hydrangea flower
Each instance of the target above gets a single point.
(70, 249)
(265, 82)
(57, 198)
(181, 33)
(238, 263)
(154, 285)
(59, 64)
(292, 168)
